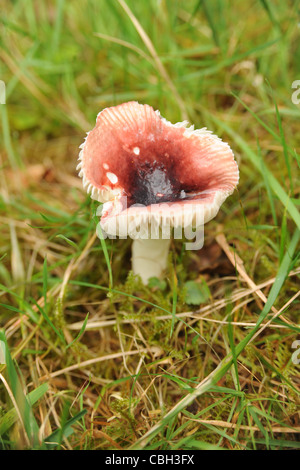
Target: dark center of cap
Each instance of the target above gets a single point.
(152, 184)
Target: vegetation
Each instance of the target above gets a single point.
(205, 358)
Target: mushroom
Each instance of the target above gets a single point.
(154, 178)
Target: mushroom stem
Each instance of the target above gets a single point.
(150, 257)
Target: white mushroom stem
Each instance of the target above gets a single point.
(150, 257)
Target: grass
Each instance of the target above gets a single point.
(91, 358)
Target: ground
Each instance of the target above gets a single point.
(207, 357)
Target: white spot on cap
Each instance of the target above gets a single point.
(136, 150)
(112, 177)
(105, 166)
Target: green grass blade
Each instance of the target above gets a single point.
(46, 317)
(276, 187)
(227, 362)
(82, 329)
(284, 145)
(105, 252)
(16, 386)
(9, 418)
(55, 439)
(232, 349)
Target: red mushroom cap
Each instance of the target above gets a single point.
(142, 166)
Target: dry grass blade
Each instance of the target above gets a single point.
(125, 44)
(239, 265)
(278, 314)
(108, 357)
(41, 91)
(198, 314)
(162, 70)
(225, 424)
(11, 396)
